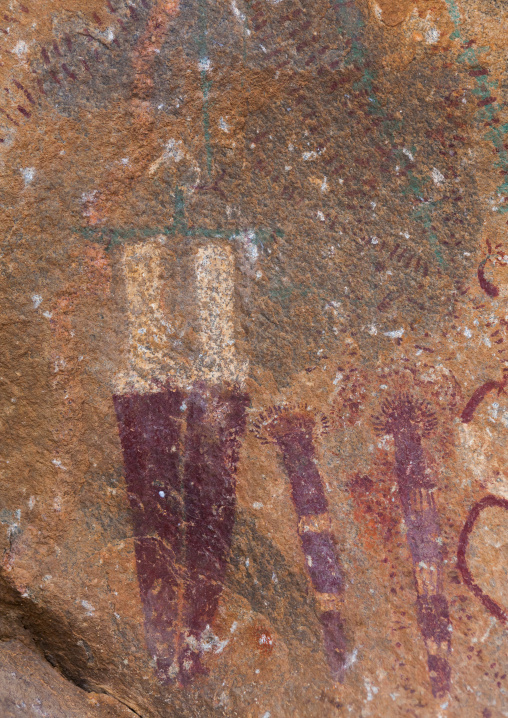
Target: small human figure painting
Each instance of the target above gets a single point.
(291, 429)
(410, 420)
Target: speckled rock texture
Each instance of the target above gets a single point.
(254, 358)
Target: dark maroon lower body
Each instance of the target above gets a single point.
(215, 420)
(294, 438)
(183, 511)
(423, 532)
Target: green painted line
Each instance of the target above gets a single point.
(205, 83)
(454, 13)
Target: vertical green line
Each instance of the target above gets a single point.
(206, 84)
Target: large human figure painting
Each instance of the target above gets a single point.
(179, 432)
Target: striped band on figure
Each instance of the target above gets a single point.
(291, 429)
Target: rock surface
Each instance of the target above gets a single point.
(253, 377)
(30, 686)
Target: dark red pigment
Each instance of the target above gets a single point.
(490, 289)
(408, 420)
(487, 502)
(183, 518)
(149, 427)
(215, 421)
(477, 398)
(293, 435)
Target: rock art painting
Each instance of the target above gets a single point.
(254, 358)
(487, 502)
(409, 421)
(291, 428)
(180, 448)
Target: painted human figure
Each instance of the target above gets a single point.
(409, 420)
(291, 428)
(179, 429)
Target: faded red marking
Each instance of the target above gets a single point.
(477, 398)
(40, 85)
(24, 112)
(9, 117)
(373, 510)
(25, 91)
(489, 603)
(86, 66)
(56, 49)
(487, 101)
(478, 73)
(68, 72)
(487, 286)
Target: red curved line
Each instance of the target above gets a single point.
(487, 286)
(477, 398)
(466, 574)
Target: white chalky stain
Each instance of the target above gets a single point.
(241, 17)
(89, 608)
(396, 334)
(173, 152)
(224, 125)
(371, 689)
(20, 49)
(432, 36)
(437, 176)
(28, 174)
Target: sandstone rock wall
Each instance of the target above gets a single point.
(253, 367)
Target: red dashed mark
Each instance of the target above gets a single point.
(56, 49)
(68, 72)
(25, 91)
